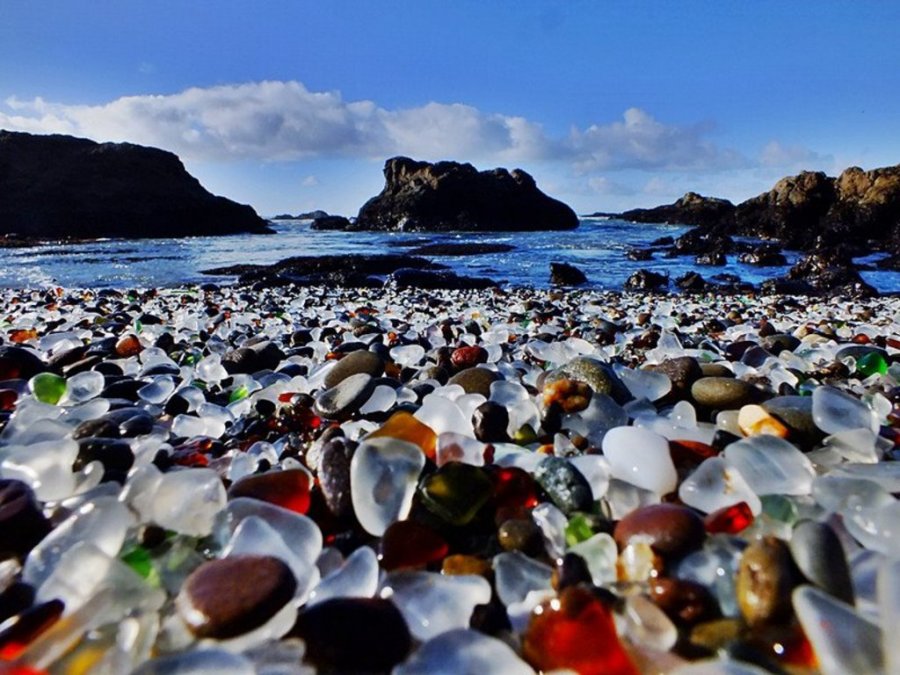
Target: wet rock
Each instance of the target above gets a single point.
(227, 597)
(564, 484)
(353, 634)
(764, 255)
(564, 274)
(683, 371)
(671, 530)
(334, 476)
(723, 393)
(645, 280)
(22, 523)
(691, 209)
(344, 399)
(765, 579)
(475, 380)
(354, 363)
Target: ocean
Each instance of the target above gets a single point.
(598, 247)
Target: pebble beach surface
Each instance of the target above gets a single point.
(299, 480)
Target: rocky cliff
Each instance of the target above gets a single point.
(452, 196)
(60, 186)
(692, 209)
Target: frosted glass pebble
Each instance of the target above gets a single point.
(382, 399)
(45, 466)
(595, 469)
(383, 476)
(640, 457)
(843, 640)
(299, 533)
(102, 523)
(889, 611)
(74, 415)
(188, 426)
(846, 495)
(886, 474)
(876, 527)
(158, 391)
(858, 445)
(552, 524)
(508, 393)
(452, 447)
(771, 465)
(647, 625)
(442, 414)
(517, 575)
(600, 553)
(356, 578)
(188, 501)
(210, 369)
(464, 651)
(644, 383)
(198, 662)
(433, 603)
(715, 566)
(623, 498)
(39, 431)
(407, 355)
(834, 411)
(715, 485)
(83, 387)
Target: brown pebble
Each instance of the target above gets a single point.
(230, 596)
(685, 602)
(671, 530)
(765, 579)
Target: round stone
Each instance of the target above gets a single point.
(672, 530)
(353, 635)
(597, 375)
(334, 476)
(723, 393)
(564, 484)
(355, 363)
(344, 399)
(683, 371)
(228, 597)
(490, 421)
(766, 576)
(468, 357)
(818, 553)
(685, 602)
(475, 380)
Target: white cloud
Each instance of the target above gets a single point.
(309, 181)
(277, 121)
(777, 155)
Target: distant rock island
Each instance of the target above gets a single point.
(306, 215)
(859, 209)
(446, 196)
(58, 187)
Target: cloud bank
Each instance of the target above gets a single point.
(284, 121)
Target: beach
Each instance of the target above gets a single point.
(293, 480)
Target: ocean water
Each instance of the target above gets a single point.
(597, 246)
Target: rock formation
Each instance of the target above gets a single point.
(692, 209)
(63, 187)
(420, 196)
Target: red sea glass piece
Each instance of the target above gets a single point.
(514, 488)
(407, 544)
(23, 629)
(288, 489)
(729, 520)
(8, 398)
(575, 632)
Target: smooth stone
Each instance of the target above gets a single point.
(818, 553)
(766, 576)
(843, 640)
(341, 401)
(231, 596)
(491, 421)
(716, 370)
(564, 484)
(682, 371)
(468, 357)
(22, 523)
(475, 380)
(464, 651)
(599, 376)
(361, 361)
(687, 603)
(408, 544)
(353, 635)
(19, 363)
(334, 476)
(672, 530)
(797, 413)
(723, 393)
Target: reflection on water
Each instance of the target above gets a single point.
(598, 247)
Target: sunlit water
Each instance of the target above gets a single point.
(597, 247)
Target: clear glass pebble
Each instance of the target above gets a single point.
(383, 476)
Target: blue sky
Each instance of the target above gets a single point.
(295, 105)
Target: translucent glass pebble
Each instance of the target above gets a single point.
(383, 476)
(47, 387)
(843, 640)
(188, 501)
(645, 383)
(299, 533)
(45, 466)
(835, 411)
(889, 612)
(464, 651)
(715, 485)
(771, 465)
(517, 575)
(600, 553)
(83, 387)
(640, 457)
(433, 603)
(356, 578)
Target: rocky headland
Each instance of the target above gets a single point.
(829, 219)
(58, 187)
(448, 196)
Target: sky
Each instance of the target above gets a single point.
(293, 105)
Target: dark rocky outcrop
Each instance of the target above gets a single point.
(420, 196)
(352, 271)
(564, 274)
(327, 222)
(692, 209)
(308, 215)
(825, 271)
(764, 255)
(645, 280)
(58, 186)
